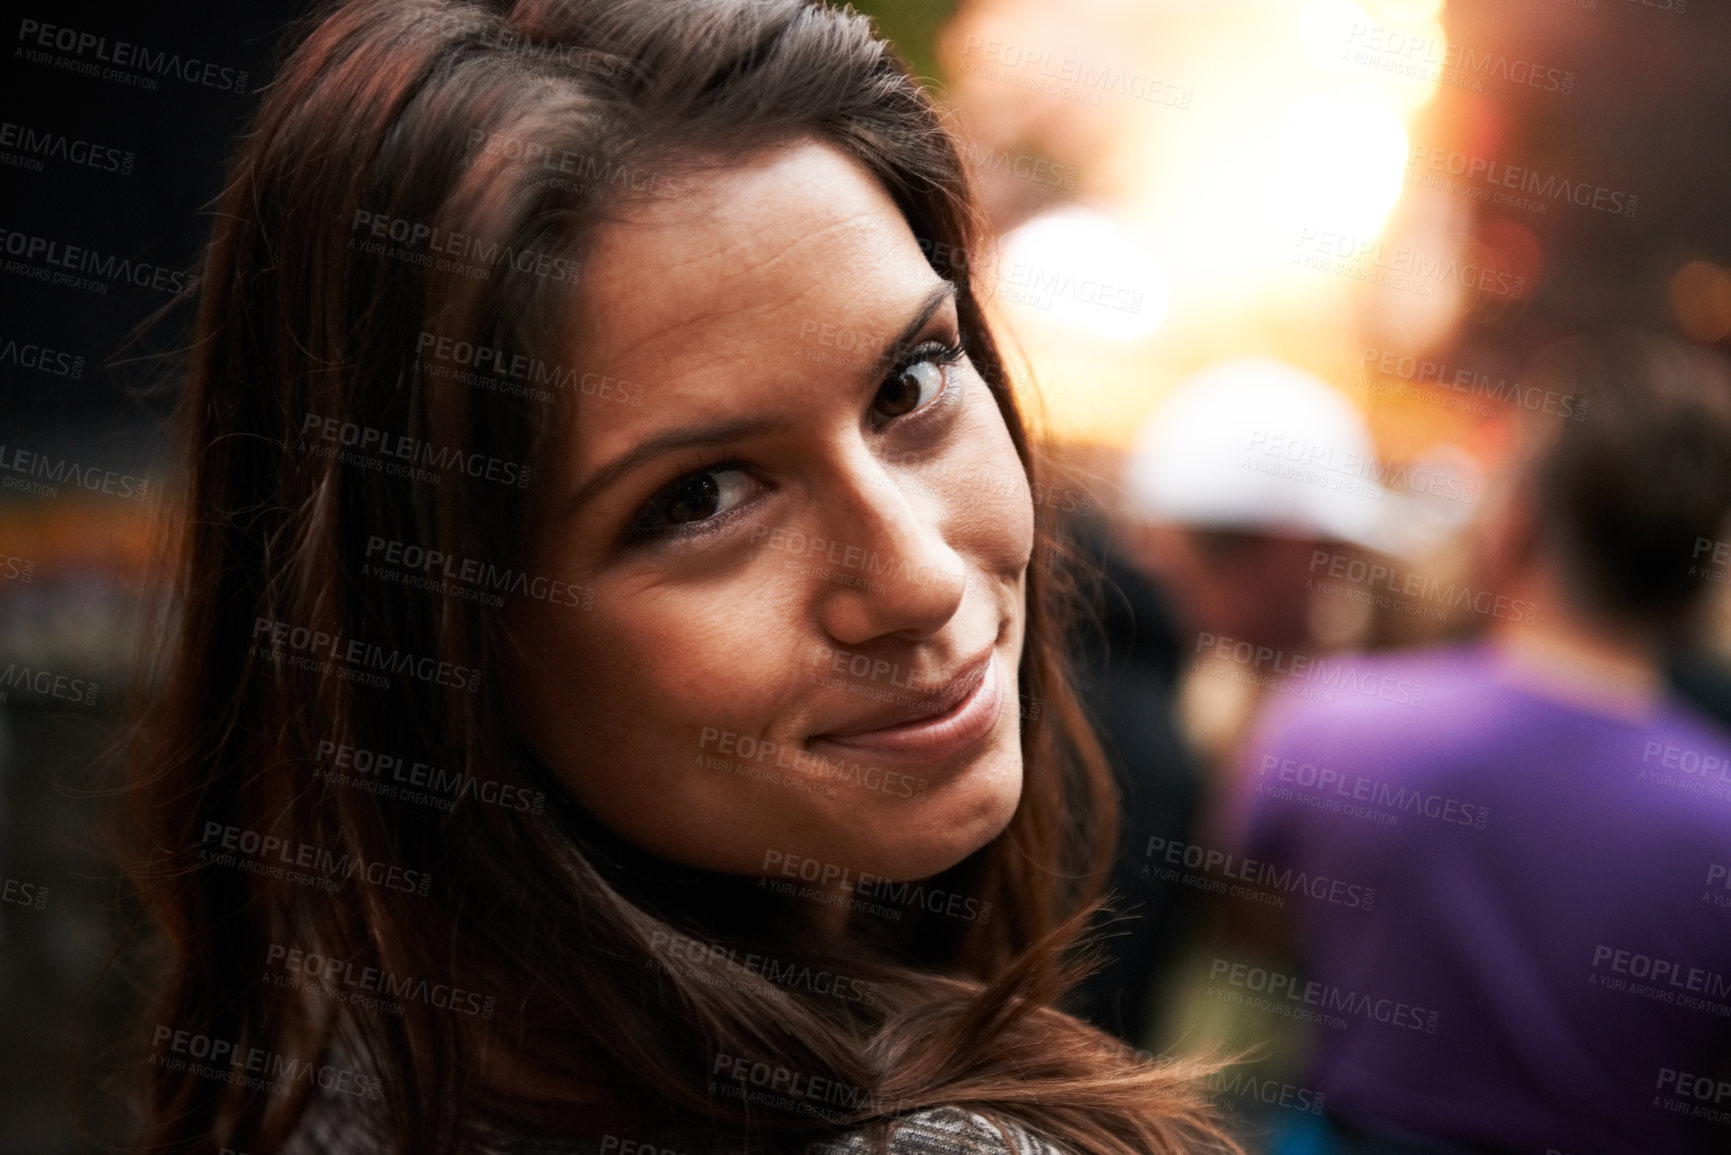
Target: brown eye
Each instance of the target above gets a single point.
(693, 499)
(701, 496)
(908, 388)
(690, 500)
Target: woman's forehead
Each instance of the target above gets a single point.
(761, 252)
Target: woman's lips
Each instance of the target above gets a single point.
(935, 736)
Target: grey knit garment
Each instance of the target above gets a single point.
(328, 1129)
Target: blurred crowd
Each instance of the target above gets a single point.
(1434, 827)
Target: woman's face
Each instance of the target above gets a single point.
(807, 545)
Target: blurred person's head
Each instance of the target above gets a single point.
(1232, 583)
(1610, 512)
(521, 458)
(1230, 495)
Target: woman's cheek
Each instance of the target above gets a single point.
(994, 502)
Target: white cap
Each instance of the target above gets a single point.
(1257, 444)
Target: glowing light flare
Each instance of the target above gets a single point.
(1325, 30)
(1210, 192)
(1394, 54)
(1341, 166)
(1079, 268)
(1220, 190)
(1411, 62)
(1407, 11)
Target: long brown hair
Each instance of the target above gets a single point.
(422, 176)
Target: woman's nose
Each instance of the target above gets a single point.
(898, 574)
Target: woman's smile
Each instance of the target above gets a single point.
(931, 732)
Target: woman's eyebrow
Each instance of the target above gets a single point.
(721, 432)
(714, 433)
(936, 297)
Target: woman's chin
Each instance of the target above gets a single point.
(951, 823)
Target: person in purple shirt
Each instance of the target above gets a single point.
(1546, 828)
